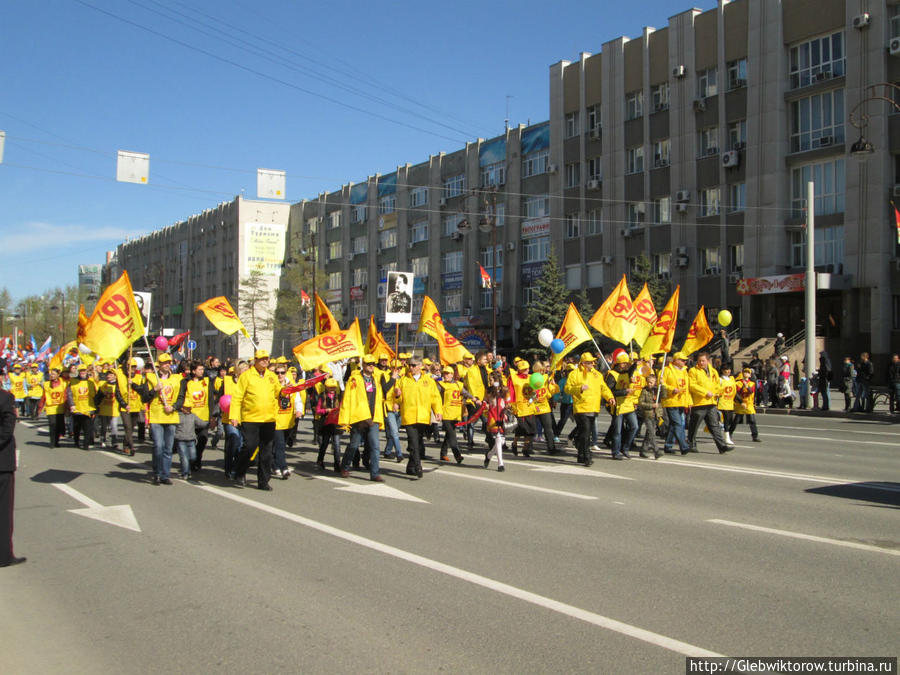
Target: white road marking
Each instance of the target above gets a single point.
(567, 469)
(841, 440)
(370, 489)
(849, 431)
(598, 620)
(120, 515)
(806, 537)
(507, 483)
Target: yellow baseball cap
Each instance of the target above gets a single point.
(260, 354)
(368, 358)
(587, 357)
(164, 358)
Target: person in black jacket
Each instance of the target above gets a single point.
(865, 370)
(824, 382)
(893, 380)
(7, 478)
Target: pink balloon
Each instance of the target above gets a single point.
(225, 403)
(161, 343)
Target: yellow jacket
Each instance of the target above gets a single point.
(229, 388)
(727, 390)
(418, 399)
(55, 397)
(474, 383)
(626, 403)
(285, 416)
(35, 382)
(702, 382)
(676, 378)
(82, 394)
(170, 384)
(453, 400)
(542, 396)
(746, 389)
(256, 397)
(108, 406)
(587, 401)
(196, 397)
(522, 406)
(355, 404)
(17, 385)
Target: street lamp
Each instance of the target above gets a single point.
(489, 224)
(310, 255)
(883, 91)
(61, 308)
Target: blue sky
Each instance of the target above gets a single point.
(329, 92)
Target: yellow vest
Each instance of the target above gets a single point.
(158, 414)
(453, 400)
(727, 390)
(17, 385)
(543, 394)
(522, 407)
(747, 392)
(83, 392)
(35, 382)
(676, 378)
(355, 404)
(108, 407)
(54, 397)
(197, 398)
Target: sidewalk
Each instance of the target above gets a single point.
(881, 412)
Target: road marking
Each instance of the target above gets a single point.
(853, 432)
(370, 489)
(568, 469)
(841, 440)
(121, 515)
(806, 537)
(598, 620)
(522, 486)
(780, 474)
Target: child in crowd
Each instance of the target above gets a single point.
(328, 408)
(496, 420)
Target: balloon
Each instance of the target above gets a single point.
(225, 403)
(161, 343)
(536, 381)
(545, 337)
(139, 362)
(724, 317)
(557, 346)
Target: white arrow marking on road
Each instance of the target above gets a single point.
(370, 489)
(507, 483)
(569, 470)
(807, 537)
(120, 515)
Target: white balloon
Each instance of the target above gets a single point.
(139, 362)
(545, 337)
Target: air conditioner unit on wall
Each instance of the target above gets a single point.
(553, 168)
(681, 207)
(699, 105)
(681, 250)
(606, 260)
(860, 21)
(825, 141)
(456, 236)
(730, 159)
(896, 190)
(511, 246)
(734, 277)
(678, 71)
(894, 46)
(682, 195)
(593, 184)
(681, 260)
(442, 201)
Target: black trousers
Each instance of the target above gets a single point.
(83, 430)
(450, 439)
(202, 440)
(548, 427)
(585, 425)
(57, 424)
(415, 447)
(7, 504)
(257, 435)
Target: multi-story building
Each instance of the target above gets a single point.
(694, 144)
(206, 256)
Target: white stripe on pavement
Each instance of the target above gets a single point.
(498, 586)
(507, 483)
(849, 431)
(806, 537)
(841, 440)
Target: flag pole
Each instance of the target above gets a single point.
(155, 371)
(659, 379)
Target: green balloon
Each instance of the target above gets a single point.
(536, 381)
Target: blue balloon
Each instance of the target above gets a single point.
(557, 346)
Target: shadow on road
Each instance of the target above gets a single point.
(887, 494)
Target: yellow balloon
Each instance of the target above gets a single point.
(724, 317)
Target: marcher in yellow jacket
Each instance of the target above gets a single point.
(362, 412)
(418, 396)
(542, 404)
(676, 402)
(454, 395)
(588, 391)
(703, 381)
(725, 401)
(55, 406)
(35, 382)
(80, 399)
(160, 392)
(255, 404)
(745, 407)
(628, 385)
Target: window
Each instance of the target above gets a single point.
(662, 265)
(334, 281)
(593, 222)
(387, 204)
(817, 121)
(635, 215)
(571, 125)
(418, 232)
(661, 153)
(334, 250)
(573, 277)
(709, 202)
(895, 32)
(706, 83)
(659, 97)
(387, 238)
(737, 74)
(493, 174)
(595, 168)
(829, 249)
(451, 262)
(334, 220)
(312, 225)
(452, 301)
(419, 266)
(829, 180)
(359, 244)
(737, 135)
(709, 141)
(487, 297)
(535, 163)
(573, 174)
(455, 186)
(535, 207)
(536, 249)
(499, 214)
(662, 210)
(736, 258)
(360, 308)
(573, 226)
(634, 159)
(737, 197)
(529, 294)
(418, 196)
(634, 105)
(487, 260)
(360, 275)
(358, 213)
(450, 224)
(710, 262)
(595, 121)
(817, 60)
(594, 275)
(385, 268)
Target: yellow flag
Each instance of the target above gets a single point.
(699, 333)
(646, 315)
(332, 346)
(660, 339)
(429, 322)
(116, 322)
(82, 324)
(325, 321)
(616, 317)
(375, 342)
(221, 315)
(57, 360)
(573, 332)
(451, 350)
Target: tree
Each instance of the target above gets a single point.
(642, 273)
(548, 305)
(254, 303)
(583, 303)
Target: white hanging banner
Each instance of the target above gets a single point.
(2, 143)
(133, 167)
(270, 184)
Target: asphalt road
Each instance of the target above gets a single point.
(790, 547)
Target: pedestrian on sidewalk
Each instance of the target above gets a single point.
(7, 478)
(848, 382)
(825, 375)
(893, 380)
(865, 370)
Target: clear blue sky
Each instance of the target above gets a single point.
(330, 92)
